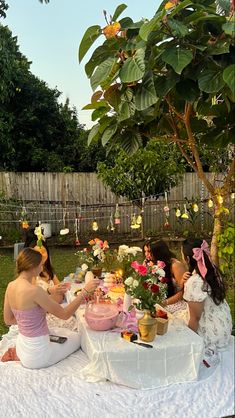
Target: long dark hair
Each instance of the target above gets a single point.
(213, 277)
(161, 252)
(31, 241)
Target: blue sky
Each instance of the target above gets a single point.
(49, 35)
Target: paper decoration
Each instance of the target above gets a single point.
(95, 226)
(64, 231)
(139, 220)
(134, 224)
(210, 203)
(177, 213)
(185, 214)
(117, 219)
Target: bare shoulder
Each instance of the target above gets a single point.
(177, 264)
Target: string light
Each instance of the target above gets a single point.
(210, 203)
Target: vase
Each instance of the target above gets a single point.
(127, 300)
(147, 326)
(97, 270)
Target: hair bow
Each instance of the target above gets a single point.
(199, 257)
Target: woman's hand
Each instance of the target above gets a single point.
(58, 289)
(186, 276)
(91, 285)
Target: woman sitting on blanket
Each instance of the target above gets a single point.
(204, 290)
(26, 305)
(47, 279)
(174, 269)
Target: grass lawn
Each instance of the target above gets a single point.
(64, 261)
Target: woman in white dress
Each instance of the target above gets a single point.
(204, 290)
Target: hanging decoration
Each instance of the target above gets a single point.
(139, 220)
(220, 199)
(167, 213)
(110, 226)
(233, 195)
(178, 213)
(77, 227)
(185, 214)
(40, 237)
(23, 220)
(117, 219)
(95, 226)
(195, 207)
(65, 230)
(134, 224)
(210, 203)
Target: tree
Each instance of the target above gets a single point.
(154, 170)
(170, 77)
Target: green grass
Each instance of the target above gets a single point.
(64, 262)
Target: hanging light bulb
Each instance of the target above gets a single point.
(134, 224)
(210, 203)
(233, 195)
(139, 220)
(95, 225)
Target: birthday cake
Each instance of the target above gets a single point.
(116, 292)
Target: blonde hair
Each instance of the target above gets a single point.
(27, 260)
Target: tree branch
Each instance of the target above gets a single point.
(173, 109)
(229, 177)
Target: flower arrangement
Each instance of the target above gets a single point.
(125, 256)
(95, 255)
(147, 284)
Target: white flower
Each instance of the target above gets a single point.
(135, 284)
(122, 250)
(129, 281)
(161, 272)
(134, 250)
(84, 267)
(97, 252)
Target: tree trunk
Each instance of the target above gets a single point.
(216, 232)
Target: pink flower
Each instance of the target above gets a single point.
(142, 270)
(135, 265)
(161, 264)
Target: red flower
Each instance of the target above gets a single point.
(164, 280)
(154, 288)
(145, 285)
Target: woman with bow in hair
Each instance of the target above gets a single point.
(204, 290)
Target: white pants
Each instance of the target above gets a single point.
(39, 352)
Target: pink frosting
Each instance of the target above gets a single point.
(31, 322)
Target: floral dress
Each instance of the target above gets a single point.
(215, 324)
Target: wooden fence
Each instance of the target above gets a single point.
(75, 200)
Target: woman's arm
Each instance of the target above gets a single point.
(55, 279)
(173, 299)
(8, 315)
(51, 306)
(195, 312)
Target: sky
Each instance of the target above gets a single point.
(49, 35)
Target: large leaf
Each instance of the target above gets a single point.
(133, 68)
(220, 47)
(177, 57)
(164, 84)
(102, 72)
(99, 55)
(188, 90)
(145, 93)
(112, 95)
(127, 109)
(131, 142)
(93, 133)
(211, 81)
(150, 25)
(181, 5)
(229, 28)
(108, 133)
(178, 28)
(119, 11)
(91, 34)
(229, 77)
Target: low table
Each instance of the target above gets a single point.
(174, 358)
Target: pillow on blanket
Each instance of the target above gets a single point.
(10, 355)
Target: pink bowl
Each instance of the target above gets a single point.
(101, 316)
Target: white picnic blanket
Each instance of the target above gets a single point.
(58, 392)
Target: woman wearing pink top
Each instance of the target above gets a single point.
(26, 305)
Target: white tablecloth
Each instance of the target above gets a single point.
(174, 358)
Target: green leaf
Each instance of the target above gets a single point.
(131, 142)
(93, 132)
(150, 25)
(119, 11)
(91, 34)
(178, 28)
(181, 5)
(220, 47)
(188, 90)
(127, 109)
(102, 72)
(98, 113)
(229, 77)
(164, 84)
(229, 28)
(133, 68)
(178, 58)
(145, 93)
(211, 81)
(108, 133)
(95, 105)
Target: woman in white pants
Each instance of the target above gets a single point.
(26, 305)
